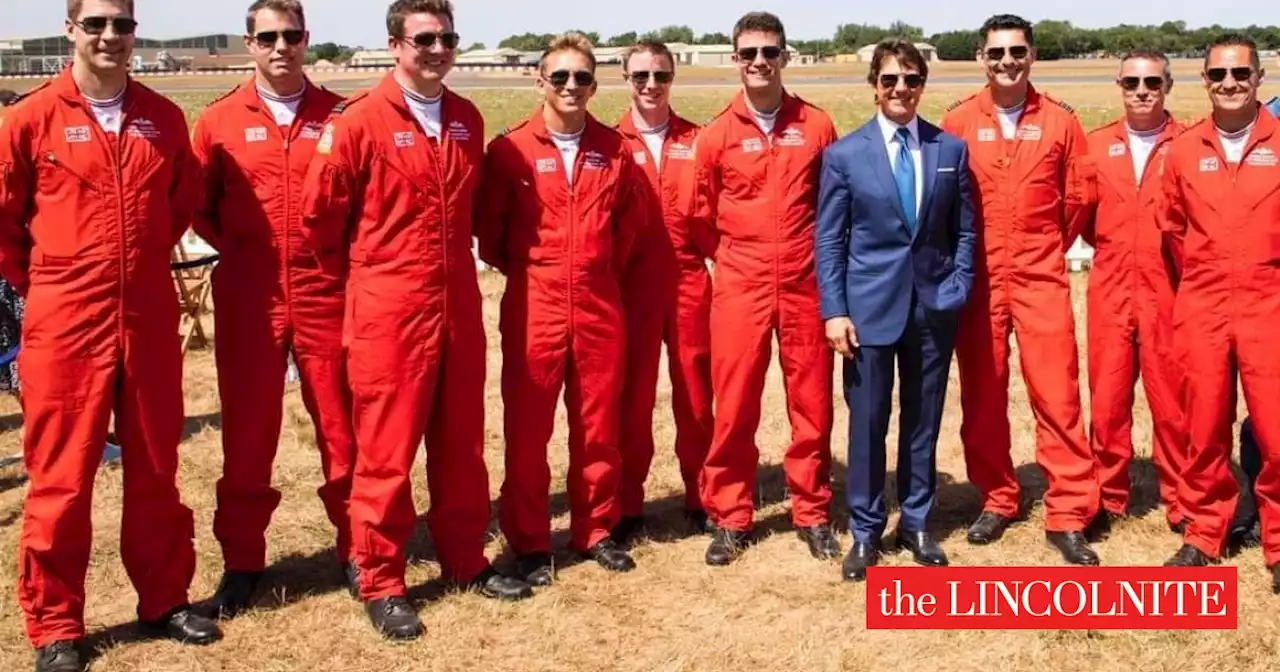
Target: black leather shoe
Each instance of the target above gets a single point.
(1188, 556)
(1179, 528)
(1100, 527)
(988, 528)
(394, 617)
(627, 529)
(185, 626)
(610, 556)
(235, 592)
(1275, 578)
(821, 540)
(1074, 547)
(536, 569)
(494, 585)
(861, 556)
(699, 521)
(1246, 534)
(725, 547)
(63, 656)
(351, 575)
(924, 548)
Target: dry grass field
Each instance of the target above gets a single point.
(777, 609)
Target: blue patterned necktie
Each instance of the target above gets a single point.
(904, 174)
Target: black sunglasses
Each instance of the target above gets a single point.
(268, 38)
(913, 81)
(447, 40)
(1152, 83)
(642, 76)
(1240, 74)
(771, 53)
(560, 78)
(96, 25)
(1018, 53)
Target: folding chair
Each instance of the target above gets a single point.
(193, 279)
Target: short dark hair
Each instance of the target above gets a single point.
(903, 50)
(74, 7)
(1006, 22)
(1235, 40)
(8, 97)
(760, 22)
(655, 47)
(293, 7)
(401, 9)
(1149, 55)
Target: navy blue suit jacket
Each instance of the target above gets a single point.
(868, 262)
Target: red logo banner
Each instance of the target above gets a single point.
(1051, 598)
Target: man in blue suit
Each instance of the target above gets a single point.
(895, 253)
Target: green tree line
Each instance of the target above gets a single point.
(1054, 39)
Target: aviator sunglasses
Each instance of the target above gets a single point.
(771, 53)
(448, 40)
(1240, 74)
(1152, 83)
(913, 81)
(560, 78)
(1018, 53)
(268, 38)
(642, 76)
(96, 25)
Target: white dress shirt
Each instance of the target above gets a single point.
(890, 129)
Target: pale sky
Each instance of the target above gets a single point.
(361, 22)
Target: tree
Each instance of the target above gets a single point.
(670, 34)
(714, 38)
(527, 42)
(325, 51)
(955, 45)
(623, 40)
(476, 45)
(906, 31)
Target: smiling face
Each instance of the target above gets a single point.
(427, 50)
(898, 89)
(1231, 79)
(103, 34)
(567, 81)
(644, 71)
(1007, 57)
(277, 57)
(760, 59)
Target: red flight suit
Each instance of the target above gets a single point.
(272, 297)
(666, 293)
(759, 192)
(393, 207)
(1222, 222)
(88, 222)
(1036, 190)
(1130, 322)
(562, 248)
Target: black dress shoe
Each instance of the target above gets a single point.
(184, 625)
(1275, 578)
(1188, 556)
(988, 528)
(725, 547)
(821, 540)
(1074, 547)
(63, 656)
(861, 556)
(536, 569)
(699, 521)
(627, 529)
(610, 556)
(494, 585)
(1246, 534)
(235, 592)
(924, 548)
(394, 617)
(351, 576)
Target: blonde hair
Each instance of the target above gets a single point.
(570, 41)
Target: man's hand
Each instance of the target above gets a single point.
(841, 336)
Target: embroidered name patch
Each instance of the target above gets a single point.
(255, 134)
(78, 134)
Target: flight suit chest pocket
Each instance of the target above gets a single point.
(71, 206)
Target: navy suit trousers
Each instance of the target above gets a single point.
(923, 358)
